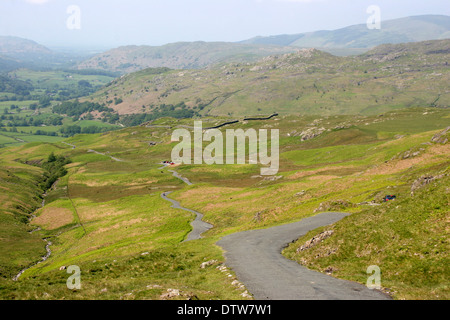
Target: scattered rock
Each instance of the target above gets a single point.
(62, 268)
(342, 126)
(258, 216)
(170, 294)
(371, 203)
(300, 194)
(311, 133)
(175, 293)
(335, 205)
(154, 286)
(273, 178)
(441, 137)
(222, 268)
(316, 240)
(246, 295)
(207, 264)
(423, 181)
(330, 270)
(236, 283)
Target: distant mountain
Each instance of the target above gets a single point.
(17, 52)
(181, 55)
(410, 29)
(22, 49)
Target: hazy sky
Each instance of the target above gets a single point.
(111, 23)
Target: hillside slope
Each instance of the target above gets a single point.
(182, 55)
(306, 82)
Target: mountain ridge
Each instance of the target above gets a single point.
(408, 29)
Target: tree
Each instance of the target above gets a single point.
(84, 84)
(44, 101)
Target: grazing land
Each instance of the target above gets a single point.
(108, 216)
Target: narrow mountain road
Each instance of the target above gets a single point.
(198, 225)
(255, 256)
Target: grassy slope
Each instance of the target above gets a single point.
(19, 197)
(119, 206)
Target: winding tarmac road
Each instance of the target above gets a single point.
(255, 256)
(198, 225)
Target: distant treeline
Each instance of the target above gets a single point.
(179, 111)
(93, 72)
(30, 121)
(69, 131)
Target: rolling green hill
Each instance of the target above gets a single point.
(308, 81)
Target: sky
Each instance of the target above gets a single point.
(113, 23)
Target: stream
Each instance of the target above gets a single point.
(47, 247)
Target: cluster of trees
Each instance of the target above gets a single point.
(84, 88)
(46, 133)
(179, 111)
(93, 72)
(53, 170)
(18, 87)
(76, 109)
(70, 131)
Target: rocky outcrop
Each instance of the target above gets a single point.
(176, 294)
(423, 181)
(441, 137)
(316, 240)
(335, 205)
(311, 133)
